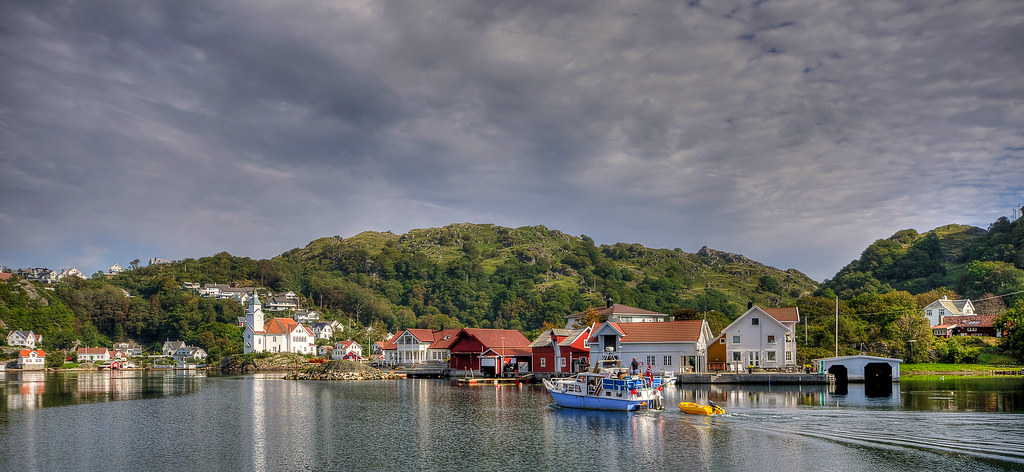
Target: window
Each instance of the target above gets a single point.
(561, 361)
(771, 356)
(721, 341)
(771, 339)
(755, 321)
(789, 356)
(668, 360)
(736, 356)
(543, 362)
(735, 339)
(650, 360)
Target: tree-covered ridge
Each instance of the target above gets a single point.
(967, 259)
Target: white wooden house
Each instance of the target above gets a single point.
(93, 354)
(347, 350)
(669, 346)
(276, 335)
(761, 337)
(946, 307)
(31, 360)
(24, 339)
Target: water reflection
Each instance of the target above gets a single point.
(28, 390)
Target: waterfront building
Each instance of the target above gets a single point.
(561, 350)
(93, 354)
(31, 360)
(170, 347)
(349, 350)
(670, 346)
(761, 337)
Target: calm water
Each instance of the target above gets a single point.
(113, 421)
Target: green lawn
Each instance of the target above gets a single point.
(928, 368)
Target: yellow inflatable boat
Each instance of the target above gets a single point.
(695, 409)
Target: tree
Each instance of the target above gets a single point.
(1011, 322)
(134, 264)
(589, 318)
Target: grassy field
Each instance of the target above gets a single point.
(927, 371)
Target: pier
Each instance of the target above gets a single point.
(763, 378)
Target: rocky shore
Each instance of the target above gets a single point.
(252, 363)
(340, 370)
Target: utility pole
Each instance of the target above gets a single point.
(837, 326)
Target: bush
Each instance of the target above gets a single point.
(954, 351)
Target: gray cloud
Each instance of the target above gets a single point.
(795, 132)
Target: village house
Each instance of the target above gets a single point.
(24, 339)
(762, 338)
(281, 303)
(189, 354)
(349, 350)
(943, 307)
(324, 350)
(277, 335)
(129, 349)
(669, 346)
(967, 325)
(322, 330)
(115, 269)
(309, 316)
(170, 347)
(618, 313)
(561, 350)
(409, 346)
(486, 351)
(31, 360)
(227, 292)
(93, 354)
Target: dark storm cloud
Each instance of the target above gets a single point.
(793, 131)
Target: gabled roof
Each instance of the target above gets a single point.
(443, 339)
(93, 350)
(944, 326)
(492, 338)
(954, 307)
(756, 309)
(27, 353)
(970, 321)
(283, 326)
(600, 326)
(565, 337)
(345, 344)
(617, 309)
(784, 314)
(667, 331)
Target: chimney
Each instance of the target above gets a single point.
(750, 304)
(610, 302)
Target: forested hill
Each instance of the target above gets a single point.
(459, 275)
(492, 276)
(970, 260)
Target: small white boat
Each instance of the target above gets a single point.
(608, 389)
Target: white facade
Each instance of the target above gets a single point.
(345, 348)
(32, 360)
(279, 335)
(93, 354)
(946, 307)
(322, 330)
(664, 351)
(759, 340)
(23, 338)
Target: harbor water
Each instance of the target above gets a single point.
(175, 421)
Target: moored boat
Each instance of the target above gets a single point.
(606, 389)
(697, 409)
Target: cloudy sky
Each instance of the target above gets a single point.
(794, 132)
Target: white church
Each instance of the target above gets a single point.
(277, 335)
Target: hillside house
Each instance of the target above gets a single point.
(281, 303)
(170, 347)
(967, 325)
(276, 335)
(322, 330)
(24, 339)
(944, 307)
(670, 346)
(189, 355)
(129, 349)
(618, 313)
(349, 350)
(307, 317)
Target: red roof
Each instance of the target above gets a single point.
(492, 338)
(665, 331)
(443, 339)
(92, 350)
(786, 314)
(5, 275)
(25, 353)
(970, 321)
(283, 326)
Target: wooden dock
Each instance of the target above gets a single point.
(762, 378)
(485, 381)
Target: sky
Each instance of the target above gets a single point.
(793, 132)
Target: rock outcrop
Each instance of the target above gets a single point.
(340, 370)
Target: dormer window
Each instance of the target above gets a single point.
(755, 321)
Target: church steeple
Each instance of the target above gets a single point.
(254, 315)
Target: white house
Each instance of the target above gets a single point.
(281, 303)
(670, 346)
(115, 269)
(306, 316)
(277, 335)
(24, 339)
(170, 347)
(946, 307)
(129, 349)
(70, 272)
(187, 354)
(409, 346)
(761, 337)
(322, 330)
(93, 354)
(347, 350)
(31, 360)
(618, 313)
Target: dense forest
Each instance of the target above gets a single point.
(528, 278)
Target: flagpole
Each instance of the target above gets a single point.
(837, 326)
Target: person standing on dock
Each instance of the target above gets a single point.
(634, 367)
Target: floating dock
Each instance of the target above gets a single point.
(766, 378)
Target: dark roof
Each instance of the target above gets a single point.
(618, 309)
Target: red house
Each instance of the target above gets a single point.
(561, 350)
(486, 350)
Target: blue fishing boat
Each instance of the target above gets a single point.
(606, 389)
